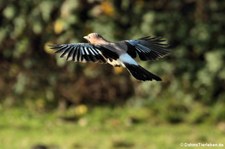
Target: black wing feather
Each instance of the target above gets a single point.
(147, 48)
(70, 51)
(80, 52)
(74, 53)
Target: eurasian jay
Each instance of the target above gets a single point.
(120, 53)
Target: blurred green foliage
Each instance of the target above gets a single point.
(193, 72)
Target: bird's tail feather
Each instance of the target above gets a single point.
(140, 73)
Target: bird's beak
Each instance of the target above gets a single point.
(85, 37)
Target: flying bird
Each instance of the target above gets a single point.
(121, 53)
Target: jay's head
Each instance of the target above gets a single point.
(94, 38)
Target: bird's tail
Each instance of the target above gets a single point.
(140, 73)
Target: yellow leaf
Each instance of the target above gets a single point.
(107, 8)
(81, 110)
(58, 26)
(118, 70)
(47, 49)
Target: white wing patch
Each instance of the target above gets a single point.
(115, 62)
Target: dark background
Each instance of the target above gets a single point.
(193, 71)
(37, 87)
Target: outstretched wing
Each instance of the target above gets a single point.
(80, 52)
(147, 48)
